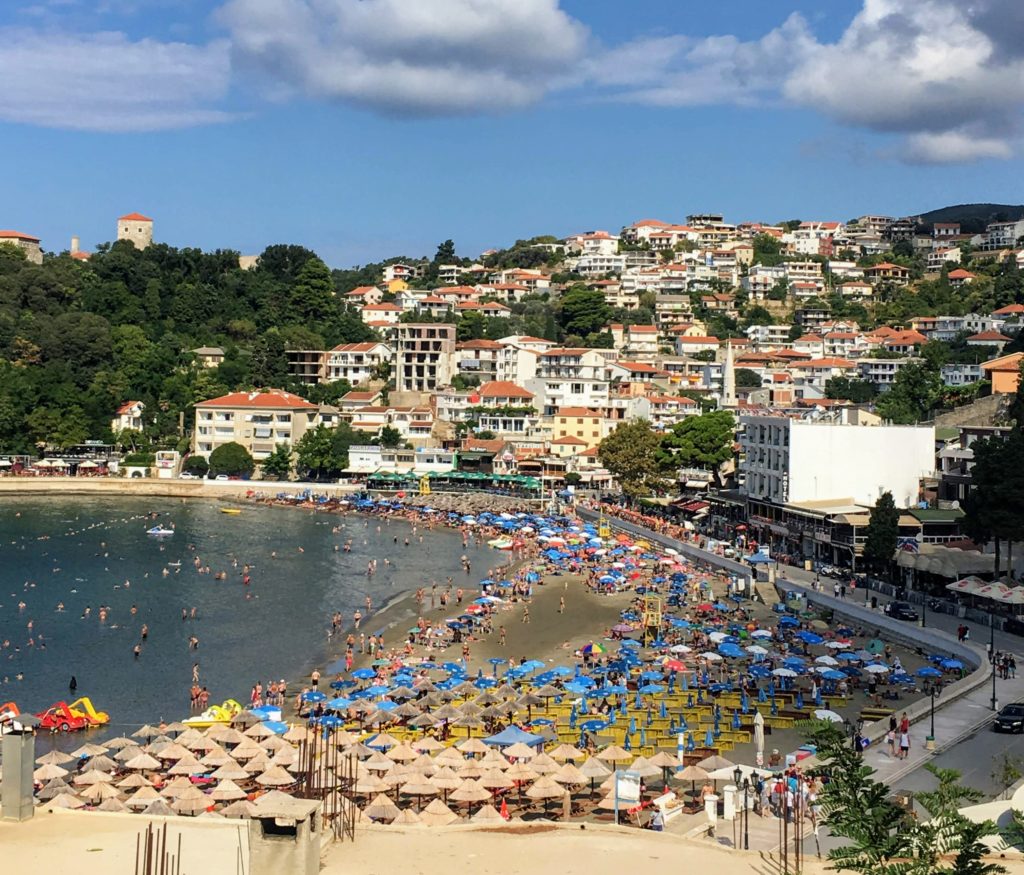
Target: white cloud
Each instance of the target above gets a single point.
(954, 147)
(926, 69)
(424, 57)
(686, 71)
(946, 75)
(108, 82)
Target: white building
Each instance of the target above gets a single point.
(599, 264)
(570, 378)
(789, 461)
(768, 335)
(356, 362)
(128, 417)
(881, 372)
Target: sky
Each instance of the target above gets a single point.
(370, 128)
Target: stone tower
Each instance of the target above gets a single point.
(137, 228)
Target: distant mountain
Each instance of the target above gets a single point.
(974, 217)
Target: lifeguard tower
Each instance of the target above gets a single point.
(651, 618)
(424, 485)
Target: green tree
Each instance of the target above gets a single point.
(630, 453)
(315, 452)
(882, 532)
(445, 253)
(703, 441)
(312, 299)
(994, 510)
(390, 437)
(278, 465)
(196, 465)
(857, 808)
(584, 311)
(914, 394)
(748, 379)
(232, 459)
(850, 389)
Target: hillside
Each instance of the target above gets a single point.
(974, 217)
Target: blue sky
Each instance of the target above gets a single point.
(367, 128)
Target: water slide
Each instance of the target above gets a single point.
(83, 708)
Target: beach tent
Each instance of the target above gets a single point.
(514, 735)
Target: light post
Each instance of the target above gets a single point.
(746, 815)
(739, 782)
(992, 656)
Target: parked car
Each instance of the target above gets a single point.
(1010, 719)
(901, 611)
(185, 475)
(222, 477)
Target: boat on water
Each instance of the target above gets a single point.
(233, 511)
(159, 530)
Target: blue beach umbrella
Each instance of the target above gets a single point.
(314, 696)
(709, 739)
(690, 744)
(364, 674)
(663, 710)
(928, 672)
(735, 719)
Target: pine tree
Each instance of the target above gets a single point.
(882, 532)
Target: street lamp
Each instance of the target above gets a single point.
(746, 815)
(992, 656)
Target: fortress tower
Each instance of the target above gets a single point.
(137, 228)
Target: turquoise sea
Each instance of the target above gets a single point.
(92, 553)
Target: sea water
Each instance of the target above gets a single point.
(94, 552)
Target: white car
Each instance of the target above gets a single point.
(221, 477)
(185, 475)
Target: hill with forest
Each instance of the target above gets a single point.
(974, 217)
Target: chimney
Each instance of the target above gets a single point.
(75, 243)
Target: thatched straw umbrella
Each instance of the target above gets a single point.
(275, 776)
(65, 800)
(99, 792)
(142, 762)
(473, 746)
(614, 754)
(230, 771)
(470, 791)
(449, 757)
(119, 743)
(112, 805)
(427, 745)
(142, 797)
(87, 779)
(487, 814)
(594, 770)
(134, 781)
(419, 786)
(381, 808)
(49, 772)
(89, 750)
(158, 808)
(407, 817)
(567, 752)
(438, 814)
(54, 758)
(227, 791)
(241, 808)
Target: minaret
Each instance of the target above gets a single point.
(728, 378)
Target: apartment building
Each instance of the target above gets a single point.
(881, 372)
(787, 461)
(768, 335)
(424, 356)
(256, 420)
(569, 377)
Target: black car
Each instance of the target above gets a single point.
(1010, 719)
(901, 611)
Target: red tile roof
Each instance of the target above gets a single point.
(503, 389)
(569, 440)
(17, 235)
(994, 336)
(579, 411)
(134, 217)
(270, 398)
(384, 307)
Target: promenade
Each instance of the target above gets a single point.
(960, 710)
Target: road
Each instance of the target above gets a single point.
(977, 757)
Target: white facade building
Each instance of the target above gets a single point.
(789, 461)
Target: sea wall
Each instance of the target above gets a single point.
(10, 487)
